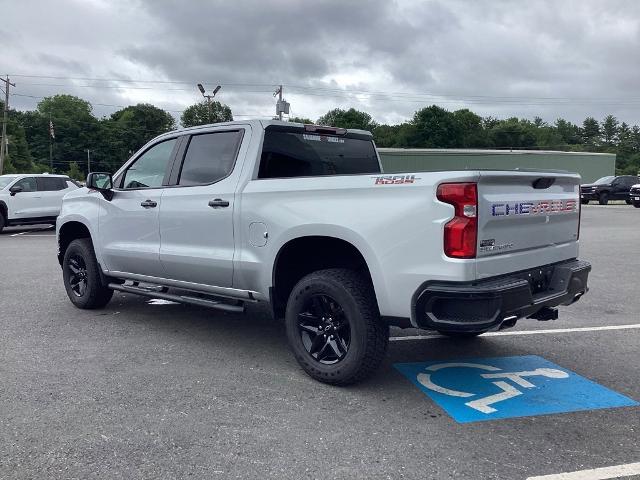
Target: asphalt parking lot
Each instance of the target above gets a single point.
(142, 390)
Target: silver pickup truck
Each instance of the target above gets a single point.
(303, 217)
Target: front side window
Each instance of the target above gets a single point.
(149, 169)
(604, 180)
(298, 154)
(210, 157)
(28, 184)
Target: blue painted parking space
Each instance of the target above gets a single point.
(480, 389)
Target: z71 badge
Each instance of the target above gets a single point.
(395, 179)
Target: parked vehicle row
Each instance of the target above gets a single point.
(32, 199)
(609, 188)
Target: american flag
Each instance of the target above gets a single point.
(51, 132)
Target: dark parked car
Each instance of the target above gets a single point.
(634, 195)
(608, 188)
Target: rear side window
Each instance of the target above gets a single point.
(630, 181)
(210, 157)
(298, 154)
(51, 184)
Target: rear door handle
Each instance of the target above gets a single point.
(149, 204)
(218, 202)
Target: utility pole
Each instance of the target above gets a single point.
(50, 144)
(3, 147)
(88, 162)
(282, 106)
(279, 93)
(209, 97)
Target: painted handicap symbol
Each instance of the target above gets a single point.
(478, 389)
(508, 390)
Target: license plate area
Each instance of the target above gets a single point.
(539, 279)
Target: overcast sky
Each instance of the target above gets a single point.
(501, 58)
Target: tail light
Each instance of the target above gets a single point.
(461, 232)
(579, 210)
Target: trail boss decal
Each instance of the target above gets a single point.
(395, 179)
(543, 207)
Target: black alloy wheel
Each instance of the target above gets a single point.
(83, 281)
(77, 275)
(334, 327)
(324, 329)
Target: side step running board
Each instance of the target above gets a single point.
(203, 302)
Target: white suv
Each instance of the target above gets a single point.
(29, 199)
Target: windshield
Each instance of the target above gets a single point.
(603, 180)
(6, 180)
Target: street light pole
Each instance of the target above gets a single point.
(88, 162)
(208, 97)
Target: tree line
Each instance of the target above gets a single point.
(111, 140)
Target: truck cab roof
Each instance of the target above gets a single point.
(263, 124)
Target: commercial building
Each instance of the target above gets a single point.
(590, 166)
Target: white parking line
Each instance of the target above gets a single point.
(29, 233)
(618, 471)
(46, 235)
(526, 332)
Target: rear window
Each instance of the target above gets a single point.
(300, 154)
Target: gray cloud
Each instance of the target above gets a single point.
(500, 58)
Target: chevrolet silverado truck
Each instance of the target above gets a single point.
(303, 218)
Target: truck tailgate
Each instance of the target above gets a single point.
(525, 220)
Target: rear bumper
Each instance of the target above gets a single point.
(487, 304)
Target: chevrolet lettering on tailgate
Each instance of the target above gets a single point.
(543, 207)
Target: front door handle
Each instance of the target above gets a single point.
(218, 202)
(149, 204)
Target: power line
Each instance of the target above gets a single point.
(334, 90)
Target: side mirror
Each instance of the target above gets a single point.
(102, 182)
(15, 189)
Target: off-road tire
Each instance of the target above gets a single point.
(636, 204)
(603, 198)
(2, 221)
(96, 294)
(369, 335)
(627, 201)
(584, 202)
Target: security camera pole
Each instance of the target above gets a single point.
(209, 97)
(282, 106)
